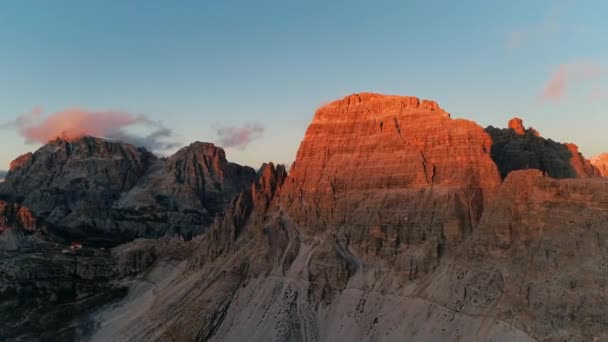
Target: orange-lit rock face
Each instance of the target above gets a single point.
(392, 142)
(583, 167)
(517, 125)
(600, 162)
(12, 215)
(21, 161)
(393, 174)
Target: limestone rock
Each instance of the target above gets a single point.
(516, 148)
(184, 193)
(543, 241)
(108, 192)
(517, 125)
(601, 164)
(16, 216)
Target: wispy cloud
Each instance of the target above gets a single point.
(566, 76)
(547, 28)
(239, 136)
(75, 123)
(598, 93)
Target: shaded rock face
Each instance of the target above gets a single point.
(601, 164)
(16, 216)
(185, 192)
(109, 192)
(518, 148)
(53, 290)
(58, 291)
(540, 254)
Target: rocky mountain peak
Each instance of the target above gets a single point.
(90, 186)
(517, 125)
(269, 180)
(202, 148)
(517, 148)
(363, 104)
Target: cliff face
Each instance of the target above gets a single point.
(16, 216)
(537, 259)
(601, 163)
(185, 192)
(518, 148)
(102, 191)
(370, 153)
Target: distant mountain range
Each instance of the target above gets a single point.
(396, 222)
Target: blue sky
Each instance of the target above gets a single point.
(200, 66)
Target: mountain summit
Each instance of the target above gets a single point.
(105, 191)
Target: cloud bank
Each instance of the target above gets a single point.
(238, 136)
(565, 76)
(75, 123)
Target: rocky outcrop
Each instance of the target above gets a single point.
(107, 192)
(601, 164)
(17, 227)
(518, 148)
(16, 216)
(249, 209)
(517, 125)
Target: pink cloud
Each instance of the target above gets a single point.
(567, 75)
(75, 123)
(239, 136)
(555, 88)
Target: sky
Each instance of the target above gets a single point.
(249, 75)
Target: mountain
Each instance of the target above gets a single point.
(107, 192)
(601, 163)
(395, 222)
